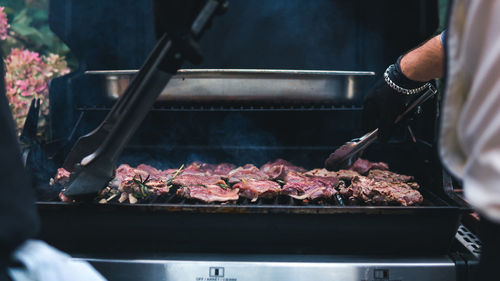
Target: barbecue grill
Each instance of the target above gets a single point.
(179, 239)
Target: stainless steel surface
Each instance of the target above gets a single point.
(243, 85)
(469, 240)
(290, 268)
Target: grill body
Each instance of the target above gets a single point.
(249, 229)
(250, 132)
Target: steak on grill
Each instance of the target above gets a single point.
(200, 174)
(221, 169)
(187, 179)
(203, 182)
(362, 166)
(321, 173)
(347, 175)
(344, 175)
(279, 168)
(134, 184)
(209, 193)
(372, 192)
(303, 187)
(384, 175)
(246, 172)
(62, 177)
(212, 183)
(254, 189)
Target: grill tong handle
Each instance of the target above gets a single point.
(97, 167)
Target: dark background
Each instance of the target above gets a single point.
(361, 35)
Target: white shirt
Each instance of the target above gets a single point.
(470, 127)
(45, 263)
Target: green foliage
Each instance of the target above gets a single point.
(29, 27)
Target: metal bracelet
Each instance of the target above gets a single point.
(401, 89)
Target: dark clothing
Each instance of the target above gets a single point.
(18, 215)
(489, 234)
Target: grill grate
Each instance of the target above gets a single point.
(172, 200)
(280, 200)
(239, 108)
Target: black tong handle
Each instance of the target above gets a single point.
(97, 165)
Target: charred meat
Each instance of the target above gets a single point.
(321, 173)
(247, 172)
(208, 193)
(61, 177)
(347, 175)
(254, 189)
(372, 192)
(385, 175)
(303, 187)
(141, 183)
(364, 182)
(362, 166)
(279, 168)
(188, 179)
(199, 174)
(210, 169)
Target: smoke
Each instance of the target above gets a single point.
(290, 34)
(282, 34)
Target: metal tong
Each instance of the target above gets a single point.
(348, 153)
(93, 158)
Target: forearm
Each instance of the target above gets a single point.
(425, 62)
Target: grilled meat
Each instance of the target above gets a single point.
(384, 175)
(223, 169)
(62, 177)
(188, 179)
(362, 166)
(208, 193)
(344, 175)
(64, 198)
(303, 187)
(279, 168)
(347, 175)
(211, 169)
(200, 174)
(134, 184)
(372, 192)
(253, 189)
(212, 183)
(201, 181)
(145, 174)
(321, 173)
(246, 172)
(153, 172)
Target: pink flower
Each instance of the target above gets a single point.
(27, 77)
(4, 25)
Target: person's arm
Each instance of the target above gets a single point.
(425, 62)
(401, 83)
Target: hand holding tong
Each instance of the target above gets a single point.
(348, 153)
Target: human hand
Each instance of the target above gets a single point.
(387, 99)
